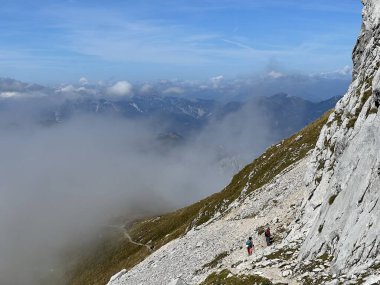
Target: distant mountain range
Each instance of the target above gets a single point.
(180, 115)
(290, 114)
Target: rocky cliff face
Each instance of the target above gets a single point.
(341, 213)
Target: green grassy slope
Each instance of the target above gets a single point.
(225, 277)
(111, 255)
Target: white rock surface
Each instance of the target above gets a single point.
(177, 281)
(345, 165)
(117, 276)
(372, 280)
(187, 255)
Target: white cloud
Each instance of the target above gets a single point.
(83, 81)
(67, 89)
(173, 91)
(120, 88)
(275, 74)
(239, 45)
(82, 89)
(346, 70)
(74, 91)
(9, 94)
(146, 88)
(22, 94)
(146, 41)
(216, 80)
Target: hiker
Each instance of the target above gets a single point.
(249, 245)
(268, 237)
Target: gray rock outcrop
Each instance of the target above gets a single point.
(341, 213)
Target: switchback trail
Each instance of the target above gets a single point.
(127, 236)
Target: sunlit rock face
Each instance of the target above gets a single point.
(341, 213)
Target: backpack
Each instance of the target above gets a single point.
(248, 244)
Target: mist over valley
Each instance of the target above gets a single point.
(74, 162)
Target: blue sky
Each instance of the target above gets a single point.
(60, 41)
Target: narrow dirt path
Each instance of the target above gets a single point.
(127, 236)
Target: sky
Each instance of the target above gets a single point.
(51, 41)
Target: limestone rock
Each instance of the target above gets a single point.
(340, 213)
(177, 281)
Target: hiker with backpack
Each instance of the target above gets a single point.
(249, 245)
(268, 237)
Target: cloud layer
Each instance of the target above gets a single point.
(120, 88)
(64, 178)
(61, 183)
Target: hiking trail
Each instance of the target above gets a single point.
(127, 236)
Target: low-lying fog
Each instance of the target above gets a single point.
(60, 183)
